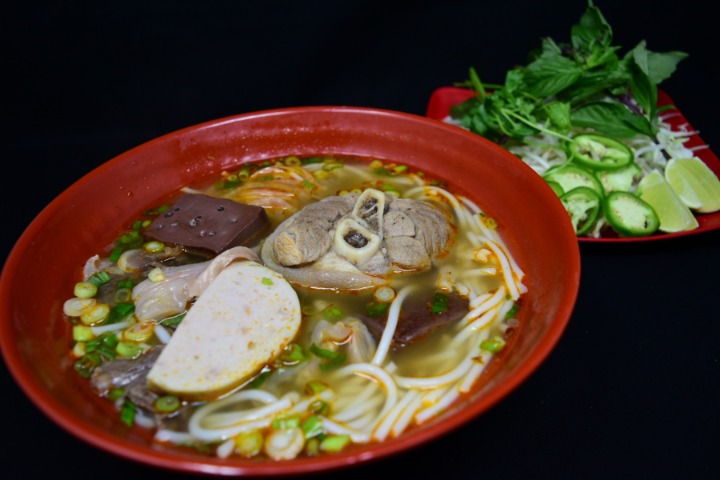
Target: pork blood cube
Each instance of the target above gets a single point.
(209, 223)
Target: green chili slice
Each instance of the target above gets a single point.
(599, 152)
(629, 215)
(569, 176)
(583, 204)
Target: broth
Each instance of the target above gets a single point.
(336, 382)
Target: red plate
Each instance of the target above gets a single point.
(444, 98)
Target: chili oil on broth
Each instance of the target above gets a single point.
(354, 175)
(357, 395)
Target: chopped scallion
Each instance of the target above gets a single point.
(312, 426)
(120, 312)
(167, 404)
(319, 407)
(116, 394)
(315, 386)
(87, 363)
(512, 313)
(333, 313)
(293, 355)
(128, 349)
(259, 380)
(376, 309)
(439, 303)
(334, 443)
(128, 412)
(250, 443)
(286, 421)
(333, 359)
(492, 345)
(99, 278)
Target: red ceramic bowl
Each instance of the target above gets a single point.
(35, 337)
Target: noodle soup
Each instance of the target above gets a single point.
(382, 330)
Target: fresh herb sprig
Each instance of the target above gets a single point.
(583, 83)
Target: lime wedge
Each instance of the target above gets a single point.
(695, 184)
(674, 215)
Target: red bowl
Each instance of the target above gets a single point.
(90, 214)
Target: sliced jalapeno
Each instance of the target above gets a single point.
(556, 187)
(620, 179)
(570, 176)
(629, 215)
(583, 204)
(599, 152)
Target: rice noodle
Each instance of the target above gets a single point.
(407, 414)
(207, 426)
(162, 333)
(376, 374)
(472, 375)
(390, 325)
(383, 430)
(436, 381)
(433, 410)
(484, 305)
(339, 429)
(371, 401)
(358, 408)
(505, 268)
(113, 327)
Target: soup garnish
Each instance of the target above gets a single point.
(361, 299)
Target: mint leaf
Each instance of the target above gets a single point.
(550, 74)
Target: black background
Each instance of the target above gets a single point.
(632, 389)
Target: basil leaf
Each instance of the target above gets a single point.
(583, 83)
(657, 66)
(559, 115)
(592, 29)
(592, 84)
(612, 119)
(643, 90)
(551, 74)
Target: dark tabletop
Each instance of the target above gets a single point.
(632, 390)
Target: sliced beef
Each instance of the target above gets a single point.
(431, 226)
(124, 372)
(141, 396)
(407, 252)
(348, 226)
(397, 223)
(416, 320)
(304, 237)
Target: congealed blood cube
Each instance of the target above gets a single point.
(209, 223)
